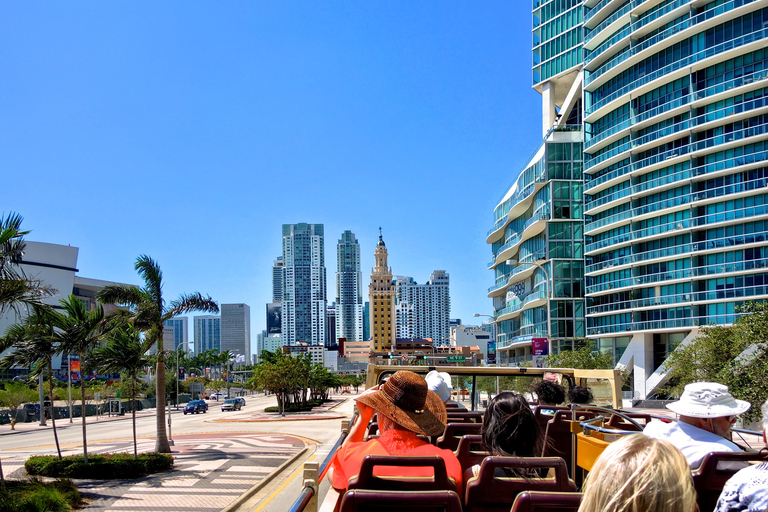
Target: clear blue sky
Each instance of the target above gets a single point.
(191, 131)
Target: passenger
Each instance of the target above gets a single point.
(510, 428)
(440, 383)
(747, 490)
(549, 393)
(579, 395)
(405, 408)
(706, 412)
(639, 474)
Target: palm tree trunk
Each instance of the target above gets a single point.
(53, 415)
(82, 405)
(161, 445)
(133, 414)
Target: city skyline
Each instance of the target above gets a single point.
(221, 111)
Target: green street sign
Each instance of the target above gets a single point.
(456, 359)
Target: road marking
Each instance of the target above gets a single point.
(299, 471)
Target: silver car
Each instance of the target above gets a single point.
(231, 405)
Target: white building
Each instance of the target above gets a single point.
(180, 334)
(207, 333)
(236, 329)
(349, 289)
(424, 309)
(331, 360)
(471, 336)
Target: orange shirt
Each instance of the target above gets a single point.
(346, 464)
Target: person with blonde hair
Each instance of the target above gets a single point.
(639, 474)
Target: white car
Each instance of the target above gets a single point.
(219, 396)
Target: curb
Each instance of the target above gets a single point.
(259, 486)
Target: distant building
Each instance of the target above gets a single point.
(470, 336)
(304, 284)
(331, 360)
(453, 322)
(267, 342)
(315, 351)
(381, 295)
(367, 321)
(207, 333)
(236, 329)
(349, 286)
(277, 280)
(330, 327)
(424, 309)
(180, 334)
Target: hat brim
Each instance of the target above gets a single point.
(735, 408)
(430, 422)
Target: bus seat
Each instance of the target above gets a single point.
(470, 451)
(435, 476)
(489, 491)
(464, 416)
(371, 429)
(620, 423)
(535, 501)
(543, 418)
(454, 432)
(709, 480)
(454, 405)
(375, 436)
(558, 437)
(362, 500)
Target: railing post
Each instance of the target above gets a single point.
(310, 480)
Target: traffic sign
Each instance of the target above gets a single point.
(456, 359)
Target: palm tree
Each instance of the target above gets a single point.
(15, 288)
(35, 345)
(124, 351)
(148, 312)
(78, 331)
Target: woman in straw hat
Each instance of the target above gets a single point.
(706, 411)
(405, 408)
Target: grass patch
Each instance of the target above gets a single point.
(35, 496)
(294, 407)
(105, 466)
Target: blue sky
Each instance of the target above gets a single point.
(191, 131)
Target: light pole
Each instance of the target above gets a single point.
(177, 373)
(69, 384)
(540, 265)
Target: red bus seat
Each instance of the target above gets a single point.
(709, 480)
(616, 421)
(558, 437)
(464, 416)
(433, 466)
(470, 451)
(535, 501)
(490, 492)
(361, 500)
(454, 432)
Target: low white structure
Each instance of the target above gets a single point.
(470, 336)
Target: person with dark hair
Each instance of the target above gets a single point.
(579, 395)
(509, 428)
(549, 393)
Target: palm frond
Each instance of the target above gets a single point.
(191, 302)
(120, 294)
(150, 272)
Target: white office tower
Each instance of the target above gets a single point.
(424, 309)
(304, 299)
(207, 332)
(180, 334)
(236, 329)
(349, 289)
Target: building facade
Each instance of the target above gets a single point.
(304, 284)
(207, 333)
(236, 329)
(180, 334)
(423, 310)
(349, 288)
(381, 296)
(277, 280)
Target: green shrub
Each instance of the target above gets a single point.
(101, 467)
(35, 496)
(296, 407)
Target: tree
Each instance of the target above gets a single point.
(15, 394)
(736, 356)
(124, 351)
(16, 289)
(586, 357)
(34, 345)
(78, 331)
(148, 312)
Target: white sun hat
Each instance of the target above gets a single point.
(708, 400)
(440, 383)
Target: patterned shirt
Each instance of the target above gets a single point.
(746, 491)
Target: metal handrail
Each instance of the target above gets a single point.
(586, 427)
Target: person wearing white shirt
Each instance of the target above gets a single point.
(706, 411)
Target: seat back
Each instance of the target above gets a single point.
(454, 405)
(558, 438)
(541, 418)
(470, 451)
(709, 480)
(620, 423)
(402, 473)
(464, 416)
(494, 490)
(362, 500)
(454, 432)
(535, 501)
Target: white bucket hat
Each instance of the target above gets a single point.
(440, 383)
(708, 400)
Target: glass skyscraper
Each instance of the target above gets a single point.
(304, 295)
(349, 289)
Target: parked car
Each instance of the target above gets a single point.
(219, 396)
(241, 400)
(231, 405)
(196, 406)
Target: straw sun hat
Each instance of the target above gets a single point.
(708, 400)
(406, 400)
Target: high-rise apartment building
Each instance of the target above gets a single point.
(304, 284)
(671, 98)
(207, 333)
(180, 334)
(277, 280)
(331, 341)
(381, 296)
(236, 329)
(423, 310)
(349, 289)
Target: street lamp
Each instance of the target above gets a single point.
(539, 264)
(170, 431)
